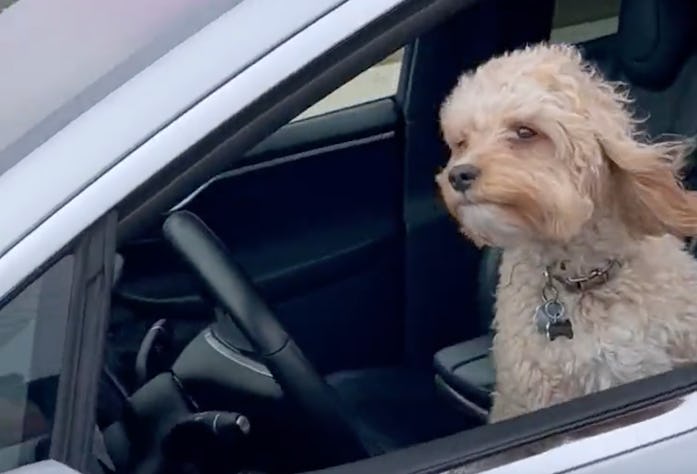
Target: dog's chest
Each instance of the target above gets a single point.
(600, 354)
(614, 341)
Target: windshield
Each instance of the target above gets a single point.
(58, 58)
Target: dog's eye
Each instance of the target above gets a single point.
(461, 144)
(525, 133)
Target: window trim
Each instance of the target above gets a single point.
(90, 300)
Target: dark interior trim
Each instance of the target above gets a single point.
(272, 157)
(76, 411)
(275, 285)
(228, 143)
(319, 131)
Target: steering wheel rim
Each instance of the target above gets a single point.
(234, 291)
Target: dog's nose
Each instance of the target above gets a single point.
(461, 177)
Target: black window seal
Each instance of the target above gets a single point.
(76, 405)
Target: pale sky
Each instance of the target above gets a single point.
(51, 50)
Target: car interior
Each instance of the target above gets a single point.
(314, 304)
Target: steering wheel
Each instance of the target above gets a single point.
(234, 291)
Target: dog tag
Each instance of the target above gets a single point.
(559, 328)
(548, 312)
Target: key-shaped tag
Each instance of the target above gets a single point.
(559, 328)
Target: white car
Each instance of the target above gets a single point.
(222, 249)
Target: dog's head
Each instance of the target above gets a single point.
(540, 143)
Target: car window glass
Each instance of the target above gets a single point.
(32, 334)
(377, 82)
(575, 21)
(60, 57)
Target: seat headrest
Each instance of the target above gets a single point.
(655, 37)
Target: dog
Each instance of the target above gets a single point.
(596, 288)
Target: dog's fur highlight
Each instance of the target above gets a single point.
(585, 188)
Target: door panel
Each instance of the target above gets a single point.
(314, 215)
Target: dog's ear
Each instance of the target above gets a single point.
(647, 189)
(645, 180)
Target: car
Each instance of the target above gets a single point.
(222, 248)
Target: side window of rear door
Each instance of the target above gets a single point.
(32, 340)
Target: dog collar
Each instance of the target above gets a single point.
(550, 316)
(593, 279)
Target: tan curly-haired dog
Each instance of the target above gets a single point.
(595, 286)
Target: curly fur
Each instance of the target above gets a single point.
(586, 188)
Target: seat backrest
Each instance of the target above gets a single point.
(655, 52)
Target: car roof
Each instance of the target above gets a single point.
(86, 147)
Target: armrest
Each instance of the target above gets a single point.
(467, 371)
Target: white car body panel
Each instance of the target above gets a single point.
(44, 467)
(663, 437)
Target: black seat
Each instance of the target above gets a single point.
(466, 368)
(655, 52)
